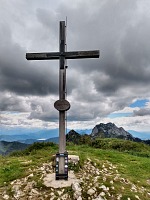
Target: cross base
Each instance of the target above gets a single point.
(61, 158)
(61, 176)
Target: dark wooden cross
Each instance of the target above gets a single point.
(62, 105)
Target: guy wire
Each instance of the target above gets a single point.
(65, 69)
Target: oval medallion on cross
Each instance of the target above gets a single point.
(62, 105)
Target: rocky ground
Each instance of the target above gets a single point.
(95, 181)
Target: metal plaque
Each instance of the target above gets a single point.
(62, 105)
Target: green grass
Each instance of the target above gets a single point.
(17, 164)
(136, 169)
(10, 169)
(132, 166)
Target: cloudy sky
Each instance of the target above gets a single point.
(114, 88)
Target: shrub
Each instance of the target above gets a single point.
(127, 146)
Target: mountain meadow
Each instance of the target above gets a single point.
(108, 169)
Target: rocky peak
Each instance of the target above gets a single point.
(110, 130)
(73, 136)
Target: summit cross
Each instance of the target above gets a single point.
(62, 105)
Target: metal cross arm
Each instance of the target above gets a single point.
(67, 55)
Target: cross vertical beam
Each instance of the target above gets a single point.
(62, 95)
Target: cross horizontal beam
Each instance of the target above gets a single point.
(66, 55)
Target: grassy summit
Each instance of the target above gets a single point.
(114, 168)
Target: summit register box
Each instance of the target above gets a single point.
(61, 175)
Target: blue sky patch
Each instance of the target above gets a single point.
(116, 115)
(139, 103)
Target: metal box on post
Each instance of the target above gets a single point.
(65, 158)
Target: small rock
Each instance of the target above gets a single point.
(104, 179)
(137, 197)
(116, 178)
(59, 193)
(108, 194)
(103, 187)
(102, 194)
(97, 172)
(18, 194)
(31, 175)
(33, 191)
(73, 158)
(105, 169)
(119, 196)
(15, 187)
(6, 197)
(148, 181)
(52, 193)
(133, 188)
(96, 184)
(64, 197)
(89, 160)
(76, 186)
(122, 188)
(77, 190)
(96, 178)
(91, 191)
(29, 185)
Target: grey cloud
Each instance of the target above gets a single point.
(44, 116)
(43, 109)
(10, 102)
(21, 77)
(48, 19)
(141, 112)
(44, 112)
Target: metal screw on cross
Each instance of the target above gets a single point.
(62, 105)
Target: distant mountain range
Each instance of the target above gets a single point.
(101, 130)
(142, 135)
(8, 147)
(43, 134)
(29, 137)
(31, 141)
(15, 134)
(9, 143)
